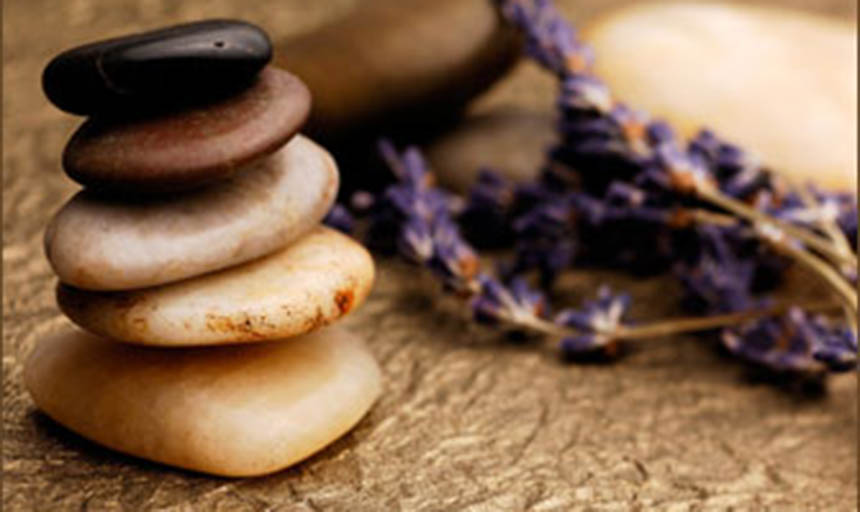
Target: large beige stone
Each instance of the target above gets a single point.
(234, 411)
(100, 244)
(781, 83)
(314, 281)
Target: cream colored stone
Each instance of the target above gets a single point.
(233, 411)
(98, 244)
(781, 83)
(314, 281)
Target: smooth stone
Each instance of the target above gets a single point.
(313, 282)
(191, 147)
(780, 83)
(234, 411)
(512, 142)
(102, 244)
(171, 65)
(401, 66)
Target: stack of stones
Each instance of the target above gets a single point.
(194, 261)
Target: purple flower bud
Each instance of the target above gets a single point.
(340, 218)
(794, 342)
(495, 303)
(574, 346)
(597, 319)
(486, 218)
(585, 92)
(549, 39)
(718, 280)
(685, 173)
(838, 348)
(415, 241)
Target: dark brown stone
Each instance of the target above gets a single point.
(185, 149)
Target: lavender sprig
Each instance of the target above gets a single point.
(621, 189)
(609, 147)
(795, 342)
(419, 216)
(597, 319)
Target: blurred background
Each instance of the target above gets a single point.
(464, 424)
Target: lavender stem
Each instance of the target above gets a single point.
(820, 267)
(683, 325)
(740, 208)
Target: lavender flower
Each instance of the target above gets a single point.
(597, 320)
(418, 217)
(495, 303)
(549, 39)
(486, 218)
(545, 239)
(837, 347)
(717, 281)
(453, 259)
(621, 189)
(794, 342)
(738, 173)
(585, 93)
(340, 219)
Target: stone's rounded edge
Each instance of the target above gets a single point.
(839, 173)
(216, 426)
(361, 366)
(73, 260)
(151, 155)
(130, 317)
(101, 75)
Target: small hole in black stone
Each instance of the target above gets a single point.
(219, 44)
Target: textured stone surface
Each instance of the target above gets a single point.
(232, 411)
(189, 147)
(170, 66)
(780, 83)
(99, 244)
(316, 280)
(465, 421)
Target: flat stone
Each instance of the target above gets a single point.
(512, 142)
(172, 65)
(313, 282)
(101, 244)
(233, 411)
(781, 83)
(191, 147)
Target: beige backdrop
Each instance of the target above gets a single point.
(466, 421)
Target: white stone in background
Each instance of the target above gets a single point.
(98, 244)
(313, 282)
(234, 411)
(781, 83)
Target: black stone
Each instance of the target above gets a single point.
(182, 64)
